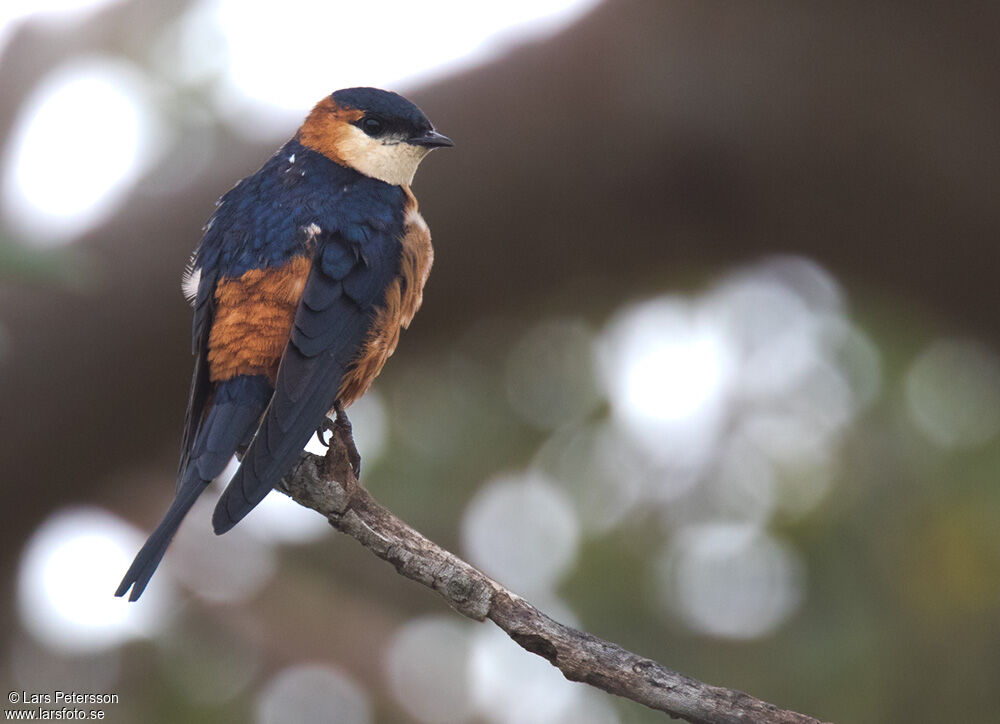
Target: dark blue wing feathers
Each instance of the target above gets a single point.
(273, 452)
(337, 260)
(320, 297)
(329, 329)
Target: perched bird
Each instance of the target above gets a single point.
(306, 273)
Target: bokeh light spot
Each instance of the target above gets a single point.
(231, 567)
(521, 530)
(511, 685)
(428, 668)
(672, 366)
(953, 393)
(667, 370)
(730, 580)
(597, 468)
(312, 694)
(743, 482)
(81, 139)
(69, 571)
(279, 519)
(773, 330)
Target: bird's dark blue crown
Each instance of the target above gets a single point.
(388, 105)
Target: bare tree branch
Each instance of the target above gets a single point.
(578, 655)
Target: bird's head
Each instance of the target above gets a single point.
(375, 132)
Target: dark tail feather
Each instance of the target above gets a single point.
(149, 557)
(231, 421)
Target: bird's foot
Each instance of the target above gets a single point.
(341, 439)
(343, 425)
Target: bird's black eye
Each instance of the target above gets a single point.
(371, 125)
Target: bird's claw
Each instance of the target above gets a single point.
(327, 426)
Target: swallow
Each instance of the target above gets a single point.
(304, 277)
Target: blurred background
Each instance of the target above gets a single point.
(707, 363)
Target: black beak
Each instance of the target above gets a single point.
(431, 139)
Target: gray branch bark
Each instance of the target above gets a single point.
(577, 654)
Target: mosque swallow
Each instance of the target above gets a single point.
(305, 275)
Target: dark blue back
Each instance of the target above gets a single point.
(261, 221)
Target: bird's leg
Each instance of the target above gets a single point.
(344, 425)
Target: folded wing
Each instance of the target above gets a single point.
(344, 289)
